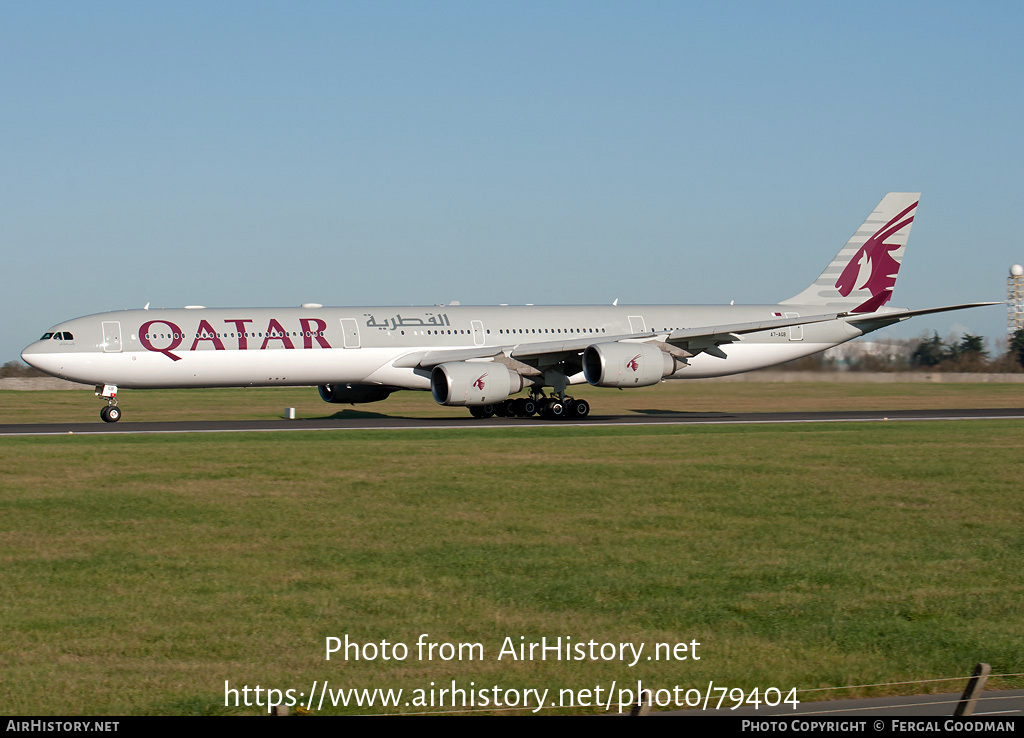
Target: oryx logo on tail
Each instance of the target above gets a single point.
(860, 278)
(875, 256)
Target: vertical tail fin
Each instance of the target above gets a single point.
(861, 277)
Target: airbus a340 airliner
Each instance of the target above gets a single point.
(478, 357)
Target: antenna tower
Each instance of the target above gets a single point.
(1015, 300)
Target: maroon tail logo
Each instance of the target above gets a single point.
(632, 363)
(882, 267)
(479, 383)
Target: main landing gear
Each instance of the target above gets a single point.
(111, 413)
(549, 408)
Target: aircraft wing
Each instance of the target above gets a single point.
(526, 357)
(736, 329)
(549, 351)
(692, 341)
(689, 341)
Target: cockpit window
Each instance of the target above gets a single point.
(46, 337)
(68, 336)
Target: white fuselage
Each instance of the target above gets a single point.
(229, 347)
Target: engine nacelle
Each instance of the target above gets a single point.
(352, 394)
(473, 383)
(626, 364)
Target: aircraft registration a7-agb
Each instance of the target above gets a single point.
(479, 357)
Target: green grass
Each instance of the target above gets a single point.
(140, 573)
(689, 396)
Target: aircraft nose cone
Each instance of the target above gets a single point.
(29, 354)
(44, 361)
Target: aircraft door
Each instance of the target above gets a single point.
(796, 332)
(111, 336)
(636, 324)
(350, 332)
(478, 332)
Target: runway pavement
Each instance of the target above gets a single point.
(370, 421)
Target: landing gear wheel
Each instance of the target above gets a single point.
(579, 409)
(529, 407)
(481, 411)
(110, 414)
(556, 410)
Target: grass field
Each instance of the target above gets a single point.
(691, 396)
(140, 573)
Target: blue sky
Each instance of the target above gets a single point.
(380, 153)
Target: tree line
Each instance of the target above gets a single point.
(966, 353)
(19, 369)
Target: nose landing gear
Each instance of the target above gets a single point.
(111, 413)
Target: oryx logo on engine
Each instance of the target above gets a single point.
(479, 383)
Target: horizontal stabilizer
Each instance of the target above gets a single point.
(946, 308)
(897, 314)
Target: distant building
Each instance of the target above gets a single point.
(849, 355)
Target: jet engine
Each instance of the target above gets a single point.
(352, 394)
(473, 383)
(627, 364)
